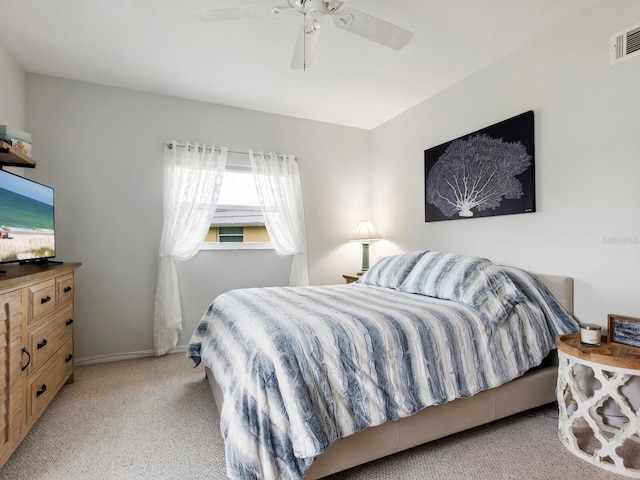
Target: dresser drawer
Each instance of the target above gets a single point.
(42, 299)
(64, 288)
(46, 383)
(46, 338)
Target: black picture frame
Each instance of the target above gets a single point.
(623, 330)
(486, 173)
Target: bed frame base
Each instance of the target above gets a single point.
(534, 389)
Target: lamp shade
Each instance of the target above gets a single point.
(366, 232)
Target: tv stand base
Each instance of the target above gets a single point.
(40, 261)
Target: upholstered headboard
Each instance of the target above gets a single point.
(561, 288)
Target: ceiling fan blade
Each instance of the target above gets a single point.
(372, 28)
(305, 47)
(234, 13)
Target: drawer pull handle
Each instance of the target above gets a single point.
(68, 322)
(45, 299)
(26, 350)
(42, 344)
(67, 289)
(68, 359)
(42, 390)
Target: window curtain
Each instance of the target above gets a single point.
(192, 180)
(280, 196)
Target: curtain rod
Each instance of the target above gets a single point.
(170, 145)
(237, 152)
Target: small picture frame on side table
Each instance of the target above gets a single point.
(624, 330)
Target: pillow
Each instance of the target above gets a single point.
(390, 272)
(473, 281)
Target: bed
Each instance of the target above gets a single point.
(310, 381)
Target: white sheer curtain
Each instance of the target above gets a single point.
(280, 195)
(192, 180)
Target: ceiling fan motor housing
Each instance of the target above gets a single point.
(315, 9)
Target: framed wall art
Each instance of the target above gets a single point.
(624, 330)
(485, 173)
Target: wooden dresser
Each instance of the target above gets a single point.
(36, 344)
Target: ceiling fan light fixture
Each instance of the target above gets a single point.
(312, 26)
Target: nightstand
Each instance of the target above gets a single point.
(351, 278)
(598, 396)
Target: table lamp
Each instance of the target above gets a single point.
(365, 235)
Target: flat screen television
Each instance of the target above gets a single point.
(27, 221)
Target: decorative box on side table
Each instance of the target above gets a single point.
(598, 396)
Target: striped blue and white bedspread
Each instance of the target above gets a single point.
(303, 367)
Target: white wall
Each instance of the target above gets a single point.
(587, 148)
(12, 91)
(101, 149)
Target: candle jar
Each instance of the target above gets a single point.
(590, 335)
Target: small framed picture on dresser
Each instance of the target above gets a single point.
(624, 330)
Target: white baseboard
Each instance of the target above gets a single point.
(116, 357)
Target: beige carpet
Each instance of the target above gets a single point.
(153, 418)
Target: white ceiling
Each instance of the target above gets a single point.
(160, 46)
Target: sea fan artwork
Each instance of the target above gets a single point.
(486, 173)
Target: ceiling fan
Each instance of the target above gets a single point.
(313, 11)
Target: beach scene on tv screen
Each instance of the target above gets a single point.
(26, 220)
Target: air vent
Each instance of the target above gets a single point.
(625, 44)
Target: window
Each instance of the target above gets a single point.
(238, 221)
(238, 187)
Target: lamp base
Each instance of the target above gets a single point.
(365, 258)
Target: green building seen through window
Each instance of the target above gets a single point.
(231, 234)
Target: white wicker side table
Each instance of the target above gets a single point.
(598, 396)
